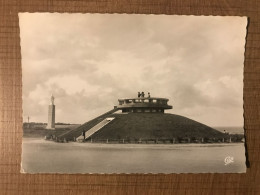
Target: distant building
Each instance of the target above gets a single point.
(51, 114)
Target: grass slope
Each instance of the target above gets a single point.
(154, 126)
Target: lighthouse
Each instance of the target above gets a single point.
(51, 114)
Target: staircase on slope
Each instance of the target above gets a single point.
(75, 133)
(95, 129)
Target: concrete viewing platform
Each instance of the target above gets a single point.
(143, 104)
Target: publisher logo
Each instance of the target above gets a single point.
(228, 160)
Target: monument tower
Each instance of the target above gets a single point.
(51, 114)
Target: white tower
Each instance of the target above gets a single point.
(51, 114)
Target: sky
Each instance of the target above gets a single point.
(89, 61)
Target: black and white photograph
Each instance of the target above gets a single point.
(132, 93)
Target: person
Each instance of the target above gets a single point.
(84, 134)
(226, 132)
(139, 94)
(142, 94)
(149, 95)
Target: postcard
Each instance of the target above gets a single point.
(132, 93)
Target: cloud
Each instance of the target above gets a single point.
(88, 61)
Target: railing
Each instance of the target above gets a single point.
(143, 100)
(164, 141)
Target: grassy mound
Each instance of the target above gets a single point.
(154, 126)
